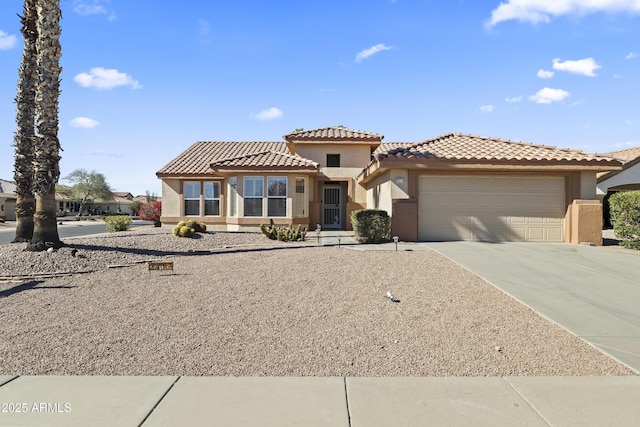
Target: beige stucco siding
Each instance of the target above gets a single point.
(351, 156)
(171, 197)
(588, 186)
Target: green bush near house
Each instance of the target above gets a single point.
(625, 217)
(117, 223)
(371, 225)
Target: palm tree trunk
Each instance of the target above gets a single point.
(25, 132)
(47, 146)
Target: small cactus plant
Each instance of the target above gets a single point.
(284, 233)
(189, 228)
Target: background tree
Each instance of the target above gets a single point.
(87, 187)
(135, 206)
(46, 164)
(25, 131)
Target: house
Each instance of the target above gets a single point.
(7, 200)
(625, 179)
(452, 187)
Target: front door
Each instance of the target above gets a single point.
(332, 208)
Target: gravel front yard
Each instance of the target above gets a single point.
(267, 308)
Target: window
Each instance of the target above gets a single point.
(212, 198)
(277, 196)
(333, 160)
(192, 198)
(233, 196)
(300, 202)
(253, 193)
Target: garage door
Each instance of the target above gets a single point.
(491, 208)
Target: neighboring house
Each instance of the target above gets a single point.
(626, 179)
(453, 187)
(7, 200)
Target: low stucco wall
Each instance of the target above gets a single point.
(585, 222)
(404, 219)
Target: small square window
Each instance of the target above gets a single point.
(333, 160)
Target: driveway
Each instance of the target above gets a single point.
(593, 292)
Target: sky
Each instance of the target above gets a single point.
(142, 80)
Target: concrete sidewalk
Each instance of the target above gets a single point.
(314, 401)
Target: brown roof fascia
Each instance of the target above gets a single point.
(263, 169)
(421, 163)
(381, 165)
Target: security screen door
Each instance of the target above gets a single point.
(332, 210)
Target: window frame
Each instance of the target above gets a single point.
(253, 197)
(278, 197)
(191, 198)
(335, 158)
(214, 185)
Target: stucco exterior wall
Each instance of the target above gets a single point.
(585, 222)
(588, 185)
(379, 193)
(171, 197)
(351, 156)
(625, 177)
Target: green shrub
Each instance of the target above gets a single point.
(371, 225)
(625, 217)
(117, 223)
(285, 233)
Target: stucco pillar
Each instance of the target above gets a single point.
(404, 219)
(586, 222)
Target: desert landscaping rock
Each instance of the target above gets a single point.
(239, 304)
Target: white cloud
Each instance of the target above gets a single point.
(7, 41)
(548, 95)
(204, 27)
(93, 7)
(631, 55)
(269, 114)
(486, 108)
(544, 74)
(585, 66)
(617, 76)
(371, 51)
(513, 100)
(541, 11)
(105, 79)
(84, 123)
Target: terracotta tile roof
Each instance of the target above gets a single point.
(628, 154)
(7, 187)
(197, 159)
(455, 146)
(333, 133)
(202, 157)
(388, 146)
(265, 159)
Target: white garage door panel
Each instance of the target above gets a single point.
(498, 208)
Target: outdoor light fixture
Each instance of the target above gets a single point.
(395, 240)
(318, 232)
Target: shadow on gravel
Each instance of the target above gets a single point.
(27, 286)
(159, 253)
